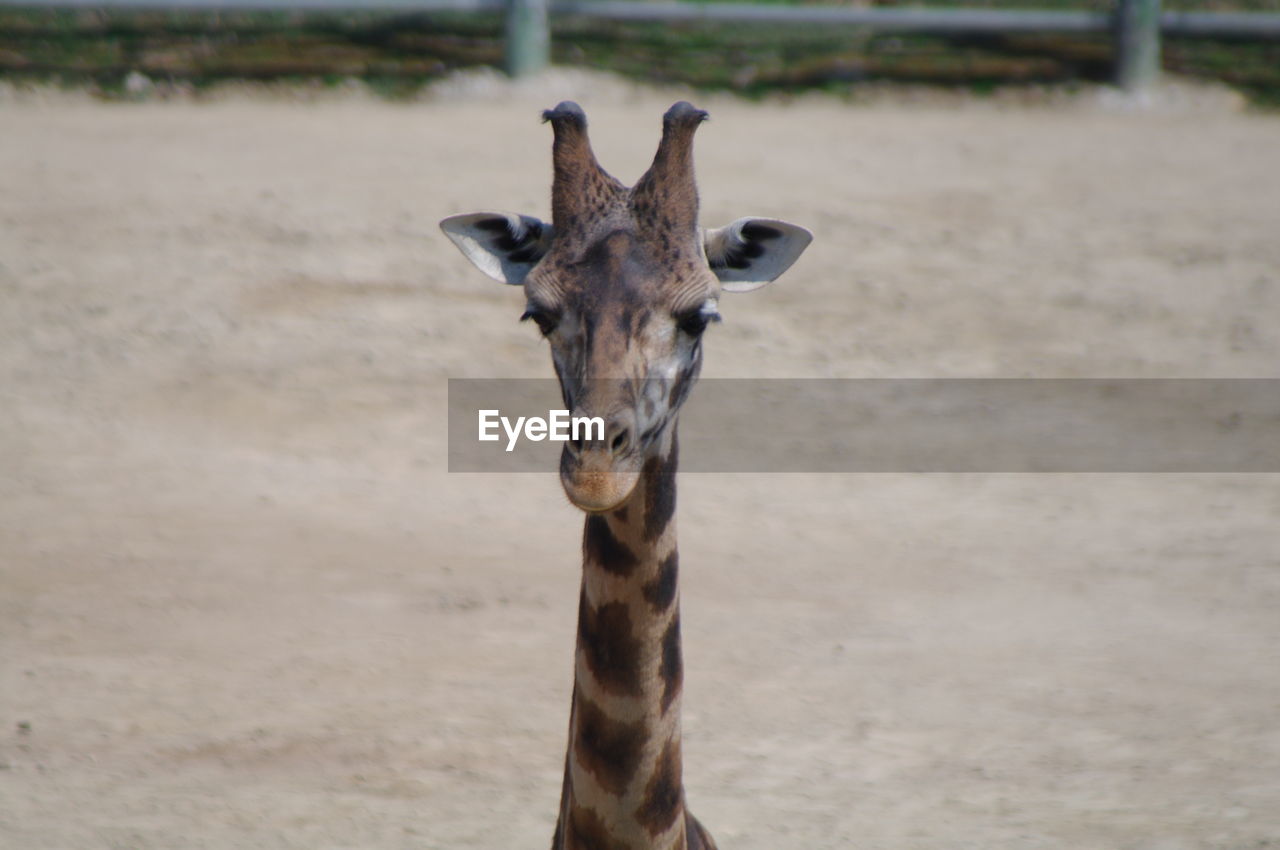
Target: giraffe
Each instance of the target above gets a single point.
(622, 283)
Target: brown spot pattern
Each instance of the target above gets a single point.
(606, 748)
(601, 548)
(679, 389)
(672, 668)
(609, 647)
(659, 475)
(660, 592)
(588, 832)
(664, 795)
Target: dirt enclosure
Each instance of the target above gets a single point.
(243, 604)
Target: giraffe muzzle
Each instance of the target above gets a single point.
(600, 474)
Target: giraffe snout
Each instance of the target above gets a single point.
(615, 440)
(599, 471)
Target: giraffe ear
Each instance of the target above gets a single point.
(752, 252)
(505, 246)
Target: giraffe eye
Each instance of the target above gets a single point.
(695, 322)
(545, 321)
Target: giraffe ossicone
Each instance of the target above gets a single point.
(622, 283)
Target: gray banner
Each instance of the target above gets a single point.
(912, 425)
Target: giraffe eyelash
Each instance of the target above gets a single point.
(694, 322)
(545, 320)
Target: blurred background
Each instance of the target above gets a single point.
(243, 603)
(133, 47)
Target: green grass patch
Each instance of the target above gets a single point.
(396, 53)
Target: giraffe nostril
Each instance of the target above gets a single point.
(620, 441)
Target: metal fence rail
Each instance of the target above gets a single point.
(1221, 24)
(930, 21)
(1136, 25)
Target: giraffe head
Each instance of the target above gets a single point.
(622, 283)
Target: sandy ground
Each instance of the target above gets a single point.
(244, 605)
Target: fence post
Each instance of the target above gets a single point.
(528, 46)
(1137, 40)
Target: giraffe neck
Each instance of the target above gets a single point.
(623, 786)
